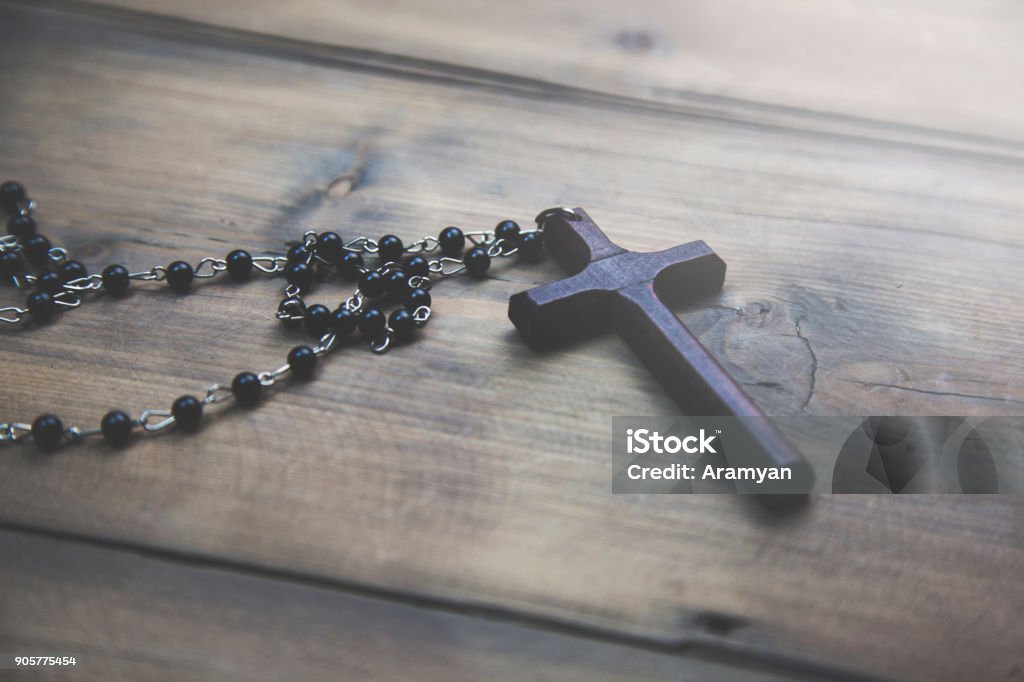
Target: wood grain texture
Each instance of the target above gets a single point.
(938, 64)
(135, 617)
(865, 275)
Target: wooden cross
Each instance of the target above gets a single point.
(628, 292)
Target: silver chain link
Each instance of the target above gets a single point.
(14, 431)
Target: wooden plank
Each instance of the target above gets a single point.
(863, 275)
(936, 64)
(132, 616)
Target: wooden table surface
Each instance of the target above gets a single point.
(444, 511)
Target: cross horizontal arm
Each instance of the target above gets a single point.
(581, 305)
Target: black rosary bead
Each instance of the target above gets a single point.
(21, 226)
(477, 261)
(372, 323)
(416, 298)
(531, 246)
(343, 321)
(115, 279)
(11, 194)
(396, 283)
(329, 246)
(72, 270)
(350, 266)
(417, 266)
(507, 229)
(247, 389)
(187, 412)
(299, 274)
(302, 361)
(372, 284)
(41, 306)
(452, 242)
(10, 264)
(402, 323)
(50, 282)
(117, 428)
(316, 320)
(298, 254)
(47, 432)
(36, 248)
(390, 248)
(179, 276)
(239, 264)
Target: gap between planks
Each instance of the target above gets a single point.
(706, 645)
(695, 106)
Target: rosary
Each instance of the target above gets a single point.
(609, 287)
(401, 276)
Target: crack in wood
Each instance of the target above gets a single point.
(952, 394)
(814, 362)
